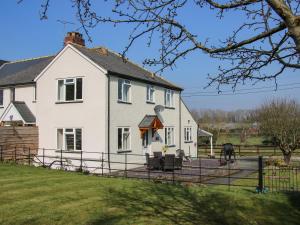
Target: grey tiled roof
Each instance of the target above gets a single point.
(23, 72)
(115, 65)
(147, 121)
(26, 71)
(24, 111)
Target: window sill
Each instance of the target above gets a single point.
(1, 106)
(34, 101)
(70, 151)
(123, 102)
(149, 102)
(68, 102)
(171, 146)
(188, 141)
(124, 151)
(169, 107)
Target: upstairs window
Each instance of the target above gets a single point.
(1, 97)
(188, 134)
(69, 89)
(124, 90)
(169, 101)
(150, 93)
(69, 139)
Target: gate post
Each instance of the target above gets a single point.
(1, 153)
(260, 174)
(29, 156)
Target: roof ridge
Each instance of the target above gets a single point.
(29, 59)
(126, 58)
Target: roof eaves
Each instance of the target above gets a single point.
(144, 81)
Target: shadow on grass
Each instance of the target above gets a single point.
(165, 204)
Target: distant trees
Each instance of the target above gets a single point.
(280, 120)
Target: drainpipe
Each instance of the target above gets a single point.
(180, 120)
(108, 121)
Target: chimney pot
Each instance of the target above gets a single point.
(74, 37)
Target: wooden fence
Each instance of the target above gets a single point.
(246, 150)
(16, 141)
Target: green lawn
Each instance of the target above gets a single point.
(40, 196)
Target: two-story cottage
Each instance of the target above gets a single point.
(92, 100)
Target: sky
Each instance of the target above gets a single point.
(24, 35)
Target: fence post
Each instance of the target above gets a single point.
(102, 163)
(15, 154)
(43, 157)
(126, 164)
(29, 156)
(1, 153)
(81, 161)
(228, 163)
(61, 164)
(260, 174)
(200, 175)
(173, 169)
(240, 150)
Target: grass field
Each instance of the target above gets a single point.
(40, 196)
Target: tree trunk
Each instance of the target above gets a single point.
(287, 157)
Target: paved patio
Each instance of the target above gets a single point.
(196, 171)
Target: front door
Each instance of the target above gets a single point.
(145, 143)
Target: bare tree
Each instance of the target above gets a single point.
(280, 119)
(272, 28)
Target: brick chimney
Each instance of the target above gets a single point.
(74, 37)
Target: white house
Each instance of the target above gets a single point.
(94, 101)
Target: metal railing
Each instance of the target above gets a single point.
(247, 172)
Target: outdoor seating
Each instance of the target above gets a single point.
(169, 162)
(180, 154)
(153, 162)
(157, 155)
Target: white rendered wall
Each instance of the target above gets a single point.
(26, 94)
(6, 100)
(90, 115)
(188, 121)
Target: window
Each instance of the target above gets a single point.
(150, 93)
(1, 97)
(169, 136)
(69, 139)
(169, 98)
(124, 90)
(69, 89)
(123, 138)
(188, 134)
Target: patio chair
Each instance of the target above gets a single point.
(157, 155)
(178, 163)
(180, 154)
(152, 162)
(169, 162)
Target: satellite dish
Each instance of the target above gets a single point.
(159, 108)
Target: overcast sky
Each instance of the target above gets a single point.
(24, 35)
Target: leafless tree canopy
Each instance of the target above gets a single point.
(280, 119)
(272, 27)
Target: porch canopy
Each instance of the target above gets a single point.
(203, 133)
(150, 122)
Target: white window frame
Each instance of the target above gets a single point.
(1, 105)
(122, 141)
(167, 129)
(64, 143)
(150, 90)
(65, 82)
(170, 93)
(124, 82)
(187, 134)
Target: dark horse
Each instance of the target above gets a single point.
(227, 150)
